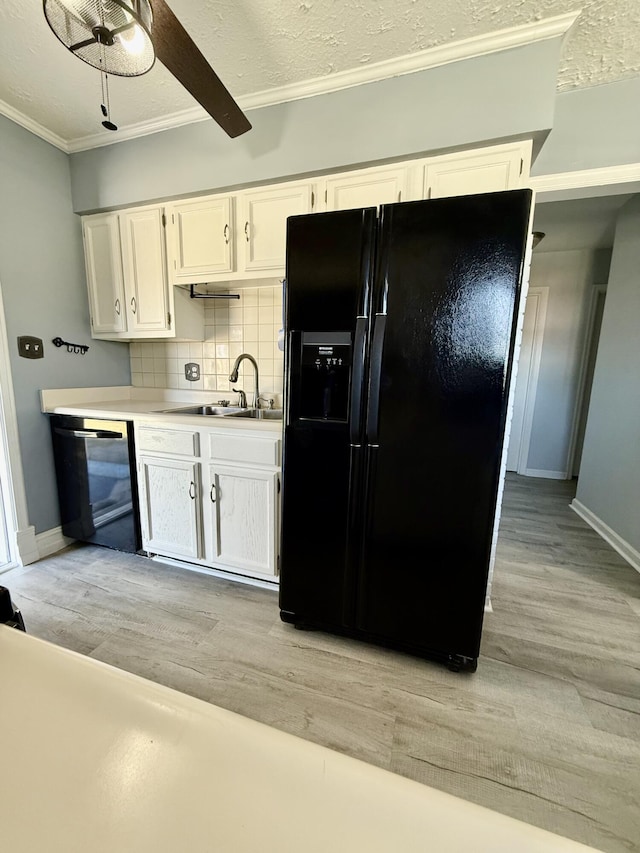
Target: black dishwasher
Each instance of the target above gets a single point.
(96, 476)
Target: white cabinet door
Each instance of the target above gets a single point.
(200, 245)
(502, 167)
(144, 267)
(368, 188)
(170, 506)
(240, 506)
(262, 225)
(104, 273)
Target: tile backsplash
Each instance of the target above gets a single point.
(249, 324)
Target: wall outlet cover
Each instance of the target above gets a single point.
(29, 347)
(192, 371)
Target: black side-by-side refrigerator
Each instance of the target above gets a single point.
(400, 340)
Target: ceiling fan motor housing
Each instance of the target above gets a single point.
(111, 35)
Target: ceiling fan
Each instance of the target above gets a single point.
(124, 37)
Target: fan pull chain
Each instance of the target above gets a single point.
(105, 106)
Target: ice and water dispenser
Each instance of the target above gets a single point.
(325, 370)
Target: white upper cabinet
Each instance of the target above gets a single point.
(262, 225)
(200, 239)
(104, 273)
(145, 271)
(501, 167)
(366, 188)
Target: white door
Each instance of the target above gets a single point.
(170, 506)
(262, 225)
(241, 509)
(200, 239)
(144, 268)
(368, 189)
(527, 378)
(502, 167)
(104, 273)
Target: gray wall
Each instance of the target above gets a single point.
(509, 93)
(599, 126)
(569, 276)
(44, 293)
(609, 483)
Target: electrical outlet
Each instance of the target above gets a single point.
(29, 347)
(192, 371)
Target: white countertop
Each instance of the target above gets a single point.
(145, 404)
(95, 760)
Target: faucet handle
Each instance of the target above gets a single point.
(242, 401)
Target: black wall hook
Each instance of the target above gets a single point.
(76, 348)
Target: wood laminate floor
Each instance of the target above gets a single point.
(547, 730)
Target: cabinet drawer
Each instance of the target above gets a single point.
(174, 441)
(253, 451)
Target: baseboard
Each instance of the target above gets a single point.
(27, 546)
(626, 551)
(548, 475)
(51, 541)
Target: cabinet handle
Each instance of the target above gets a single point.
(192, 491)
(226, 234)
(212, 493)
(246, 230)
(117, 306)
(133, 304)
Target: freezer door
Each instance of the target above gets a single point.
(441, 357)
(329, 267)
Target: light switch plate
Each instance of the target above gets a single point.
(29, 347)
(192, 371)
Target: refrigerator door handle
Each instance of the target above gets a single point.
(375, 374)
(357, 379)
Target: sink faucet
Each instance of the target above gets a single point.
(233, 376)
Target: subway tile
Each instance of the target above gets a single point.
(222, 383)
(171, 365)
(265, 333)
(266, 366)
(209, 332)
(210, 381)
(136, 364)
(249, 297)
(221, 315)
(277, 315)
(209, 350)
(159, 364)
(173, 380)
(183, 350)
(135, 349)
(265, 349)
(222, 350)
(250, 316)
(209, 366)
(148, 380)
(136, 379)
(147, 365)
(235, 333)
(265, 296)
(195, 351)
(236, 348)
(222, 366)
(235, 315)
(222, 334)
(160, 380)
(158, 349)
(265, 315)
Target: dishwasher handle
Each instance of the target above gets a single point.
(88, 433)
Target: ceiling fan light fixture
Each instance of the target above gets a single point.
(111, 35)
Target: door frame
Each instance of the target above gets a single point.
(597, 290)
(541, 295)
(23, 548)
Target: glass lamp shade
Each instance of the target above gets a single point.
(111, 35)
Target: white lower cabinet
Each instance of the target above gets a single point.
(170, 506)
(240, 518)
(210, 497)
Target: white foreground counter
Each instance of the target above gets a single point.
(95, 759)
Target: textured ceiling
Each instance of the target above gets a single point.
(256, 45)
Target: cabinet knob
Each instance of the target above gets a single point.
(133, 304)
(226, 234)
(212, 493)
(246, 230)
(117, 307)
(192, 490)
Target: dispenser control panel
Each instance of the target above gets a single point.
(325, 376)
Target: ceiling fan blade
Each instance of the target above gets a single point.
(179, 54)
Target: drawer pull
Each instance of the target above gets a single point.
(246, 230)
(212, 493)
(226, 234)
(117, 307)
(192, 491)
(133, 304)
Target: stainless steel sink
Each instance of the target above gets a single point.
(211, 411)
(258, 414)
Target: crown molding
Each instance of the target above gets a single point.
(471, 48)
(602, 176)
(29, 124)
